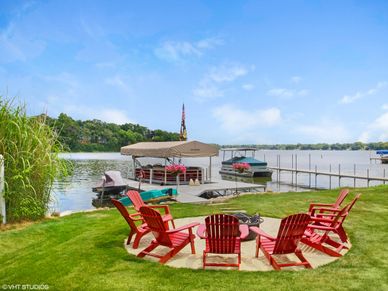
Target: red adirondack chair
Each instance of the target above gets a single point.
(175, 239)
(140, 230)
(315, 207)
(317, 234)
(290, 233)
(223, 234)
(138, 202)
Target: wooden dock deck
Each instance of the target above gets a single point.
(191, 194)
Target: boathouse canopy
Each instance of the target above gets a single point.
(170, 149)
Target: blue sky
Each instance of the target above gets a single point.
(248, 71)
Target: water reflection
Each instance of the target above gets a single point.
(75, 192)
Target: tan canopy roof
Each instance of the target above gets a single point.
(169, 149)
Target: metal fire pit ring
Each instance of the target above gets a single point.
(250, 220)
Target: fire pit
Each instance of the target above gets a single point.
(250, 220)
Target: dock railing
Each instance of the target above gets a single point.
(294, 170)
(2, 200)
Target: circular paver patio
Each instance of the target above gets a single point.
(184, 259)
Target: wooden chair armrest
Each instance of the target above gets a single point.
(134, 215)
(321, 219)
(201, 231)
(315, 205)
(187, 226)
(244, 231)
(260, 232)
(322, 210)
(320, 227)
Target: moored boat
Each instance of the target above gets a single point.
(257, 168)
(383, 156)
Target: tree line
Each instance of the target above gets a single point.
(98, 136)
(356, 146)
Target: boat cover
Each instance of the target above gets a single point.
(170, 149)
(250, 161)
(111, 179)
(151, 194)
(382, 152)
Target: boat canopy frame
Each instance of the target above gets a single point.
(242, 149)
(171, 149)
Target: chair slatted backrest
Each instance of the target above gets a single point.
(222, 231)
(155, 223)
(124, 212)
(136, 199)
(290, 232)
(341, 197)
(345, 211)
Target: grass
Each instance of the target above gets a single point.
(85, 251)
(31, 163)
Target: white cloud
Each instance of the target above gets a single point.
(324, 131)
(385, 106)
(381, 123)
(209, 86)
(113, 116)
(248, 87)
(118, 82)
(234, 120)
(207, 91)
(287, 93)
(227, 73)
(280, 92)
(377, 130)
(177, 51)
(296, 79)
(364, 137)
(347, 99)
(303, 92)
(209, 43)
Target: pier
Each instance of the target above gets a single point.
(382, 160)
(331, 174)
(192, 194)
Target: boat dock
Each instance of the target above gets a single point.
(382, 160)
(330, 174)
(191, 194)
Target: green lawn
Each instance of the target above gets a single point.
(85, 251)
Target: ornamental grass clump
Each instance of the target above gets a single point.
(30, 149)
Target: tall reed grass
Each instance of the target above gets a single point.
(30, 149)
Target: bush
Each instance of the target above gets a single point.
(30, 149)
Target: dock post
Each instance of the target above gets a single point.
(309, 170)
(316, 176)
(151, 175)
(264, 158)
(134, 167)
(330, 178)
(384, 175)
(296, 170)
(210, 169)
(292, 169)
(339, 175)
(367, 175)
(279, 168)
(354, 181)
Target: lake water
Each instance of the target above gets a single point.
(74, 193)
